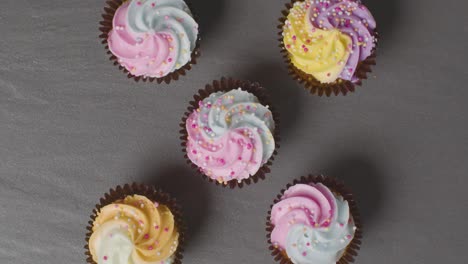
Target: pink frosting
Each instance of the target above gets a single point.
(235, 155)
(311, 205)
(141, 53)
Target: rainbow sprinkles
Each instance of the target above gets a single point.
(329, 38)
(153, 38)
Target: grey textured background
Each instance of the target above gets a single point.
(72, 126)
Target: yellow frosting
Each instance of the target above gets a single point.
(148, 226)
(321, 53)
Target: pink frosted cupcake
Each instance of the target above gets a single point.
(315, 220)
(151, 39)
(230, 135)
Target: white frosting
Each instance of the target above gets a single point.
(308, 245)
(172, 16)
(116, 247)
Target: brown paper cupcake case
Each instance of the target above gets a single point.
(227, 84)
(120, 192)
(335, 186)
(340, 86)
(105, 28)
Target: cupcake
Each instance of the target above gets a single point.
(329, 45)
(151, 39)
(230, 133)
(314, 221)
(136, 225)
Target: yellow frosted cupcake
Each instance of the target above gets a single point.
(328, 44)
(134, 225)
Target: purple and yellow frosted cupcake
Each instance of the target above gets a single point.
(151, 39)
(135, 224)
(329, 45)
(314, 221)
(230, 132)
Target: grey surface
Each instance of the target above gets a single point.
(72, 126)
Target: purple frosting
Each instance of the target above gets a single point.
(351, 18)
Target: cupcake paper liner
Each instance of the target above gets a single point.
(227, 84)
(119, 193)
(340, 86)
(335, 186)
(106, 27)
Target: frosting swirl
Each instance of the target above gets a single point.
(230, 135)
(153, 37)
(134, 231)
(328, 38)
(311, 224)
